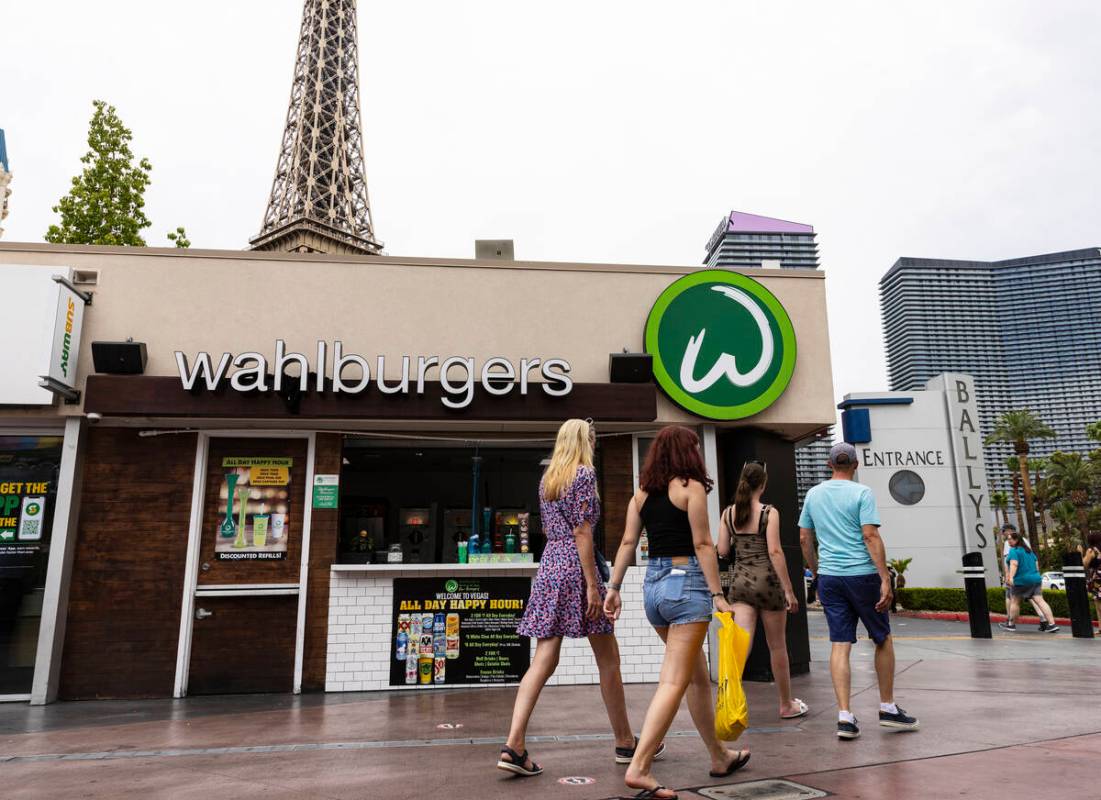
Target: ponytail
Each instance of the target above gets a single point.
(753, 478)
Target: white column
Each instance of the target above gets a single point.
(711, 460)
(55, 601)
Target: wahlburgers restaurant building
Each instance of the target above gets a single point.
(310, 472)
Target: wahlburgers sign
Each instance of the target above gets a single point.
(723, 346)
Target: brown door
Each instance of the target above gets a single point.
(246, 601)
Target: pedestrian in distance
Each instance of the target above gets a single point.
(682, 583)
(1022, 576)
(567, 596)
(761, 587)
(1091, 560)
(853, 583)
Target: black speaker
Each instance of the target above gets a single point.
(631, 367)
(119, 358)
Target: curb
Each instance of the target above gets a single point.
(963, 616)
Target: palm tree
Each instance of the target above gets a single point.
(1043, 492)
(999, 501)
(1017, 428)
(1074, 476)
(1013, 464)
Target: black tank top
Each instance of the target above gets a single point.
(667, 528)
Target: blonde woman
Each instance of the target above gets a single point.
(567, 596)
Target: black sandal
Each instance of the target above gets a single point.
(652, 794)
(735, 765)
(516, 765)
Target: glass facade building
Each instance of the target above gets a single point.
(747, 241)
(1027, 329)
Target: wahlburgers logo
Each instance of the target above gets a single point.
(451, 586)
(723, 346)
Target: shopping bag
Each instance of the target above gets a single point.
(731, 710)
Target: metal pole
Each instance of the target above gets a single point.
(978, 609)
(1078, 600)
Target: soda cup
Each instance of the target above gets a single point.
(411, 668)
(403, 646)
(425, 670)
(438, 667)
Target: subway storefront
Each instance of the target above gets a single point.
(336, 489)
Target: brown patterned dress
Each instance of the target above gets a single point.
(754, 582)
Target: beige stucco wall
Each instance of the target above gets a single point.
(221, 301)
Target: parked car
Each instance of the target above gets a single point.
(1053, 580)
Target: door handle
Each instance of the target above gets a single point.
(202, 613)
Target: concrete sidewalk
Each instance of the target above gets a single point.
(998, 717)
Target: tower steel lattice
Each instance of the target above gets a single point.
(319, 197)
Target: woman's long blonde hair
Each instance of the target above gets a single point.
(572, 449)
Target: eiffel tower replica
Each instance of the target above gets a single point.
(318, 200)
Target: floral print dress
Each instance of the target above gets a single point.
(557, 603)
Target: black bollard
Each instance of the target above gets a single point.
(1078, 600)
(978, 610)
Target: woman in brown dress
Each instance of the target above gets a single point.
(761, 586)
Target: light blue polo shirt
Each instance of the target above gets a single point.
(836, 511)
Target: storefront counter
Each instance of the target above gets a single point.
(361, 626)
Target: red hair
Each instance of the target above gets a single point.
(674, 454)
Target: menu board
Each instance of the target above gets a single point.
(454, 631)
(254, 500)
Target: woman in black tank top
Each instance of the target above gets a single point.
(682, 583)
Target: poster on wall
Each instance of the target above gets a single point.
(28, 478)
(253, 503)
(453, 631)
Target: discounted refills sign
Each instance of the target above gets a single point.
(352, 373)
(723, 346)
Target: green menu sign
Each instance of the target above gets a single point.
(326, 491)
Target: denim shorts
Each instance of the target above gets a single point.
(848, 598)
(1028, 591)
(675, 594)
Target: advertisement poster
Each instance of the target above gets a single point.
(253, 503)
(28, 477)
(454, 631)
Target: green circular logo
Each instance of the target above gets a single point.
(723, 346)
(33, 509)
(451, 585)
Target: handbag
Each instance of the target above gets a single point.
(731, 710)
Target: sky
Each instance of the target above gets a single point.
(601, 131)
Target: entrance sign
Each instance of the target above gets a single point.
(351, 373)
(723, 346)
(458, 631)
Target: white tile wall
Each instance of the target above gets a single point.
(360, 609)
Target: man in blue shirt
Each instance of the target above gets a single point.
(853, 583)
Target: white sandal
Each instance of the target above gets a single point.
(803, 709)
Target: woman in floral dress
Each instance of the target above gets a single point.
(567, 595)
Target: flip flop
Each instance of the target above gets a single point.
(516, 765)
(737, 764)
(803, 709)
(652, 794)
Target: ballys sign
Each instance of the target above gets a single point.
(723, 346)
(340, 372)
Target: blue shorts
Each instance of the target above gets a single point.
(847, 598)
(675, 594)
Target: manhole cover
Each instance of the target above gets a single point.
(577, 780)
(762, 790)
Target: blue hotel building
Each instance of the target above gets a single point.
(1027, 329)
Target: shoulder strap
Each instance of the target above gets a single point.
(762, 527)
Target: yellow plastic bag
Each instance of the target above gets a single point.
(731, 710)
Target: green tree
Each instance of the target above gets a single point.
(1013, 464)
(1074, 476)
(999, 501)
(1019, 428)
(900, 565)
(105, 204)
(1093, 430)
(179, 236)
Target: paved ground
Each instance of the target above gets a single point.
(1014, 716)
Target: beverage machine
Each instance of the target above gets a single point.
(417, 534)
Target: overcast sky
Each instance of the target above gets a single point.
(601, 131)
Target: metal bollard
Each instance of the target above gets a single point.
(978, 609)
(1078, 600)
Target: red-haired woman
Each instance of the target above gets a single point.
(682, 583)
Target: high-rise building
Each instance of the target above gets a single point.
(812, 463)
(749, 241)
(1028, 330)
(319, 198)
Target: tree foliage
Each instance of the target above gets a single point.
(105, 204)
(1018, 428)
(179, 237)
